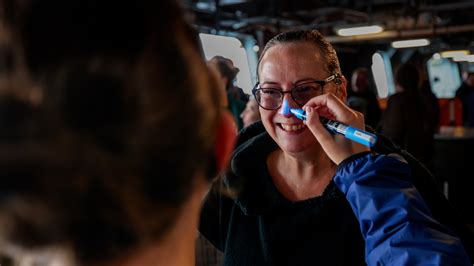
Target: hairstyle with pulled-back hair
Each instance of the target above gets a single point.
(310, 36)
(104, 158)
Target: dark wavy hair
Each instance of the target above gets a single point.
(225, 68)
(114, 122)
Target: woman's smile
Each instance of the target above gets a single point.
(292, 128)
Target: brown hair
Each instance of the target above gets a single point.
(124, 122)
(224, 65)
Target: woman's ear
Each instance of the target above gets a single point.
(226, 136)
(342, 88)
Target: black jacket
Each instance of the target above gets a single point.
(322, 230)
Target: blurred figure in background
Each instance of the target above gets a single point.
(110, 165)
(235, 95)
(466, 94)
(362, 98)
(251, 114)
(430, 98)
(221, 85)
(408, 118)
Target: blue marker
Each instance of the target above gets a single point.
(355, 134)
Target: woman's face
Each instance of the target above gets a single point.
(285, 66)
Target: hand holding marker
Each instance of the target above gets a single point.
(355, 134)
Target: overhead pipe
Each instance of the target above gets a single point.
(402, 34)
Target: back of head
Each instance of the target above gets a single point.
(360, 80)
(226, 68)
(407, 77)
(124, 117)
(468, 77)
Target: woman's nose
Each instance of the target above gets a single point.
(285, 107)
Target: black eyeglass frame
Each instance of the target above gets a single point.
(257, 88)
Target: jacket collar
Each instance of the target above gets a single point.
(249, 179)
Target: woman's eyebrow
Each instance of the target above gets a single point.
(296, 83)
(304, 81)
(270, 83)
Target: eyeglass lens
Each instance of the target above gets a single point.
(271, 98)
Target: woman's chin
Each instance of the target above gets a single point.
(297, 147)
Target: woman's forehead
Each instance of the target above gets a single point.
(294, 59)
(295, 49)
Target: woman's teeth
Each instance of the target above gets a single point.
(292, 127)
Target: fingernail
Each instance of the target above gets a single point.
(309, 110)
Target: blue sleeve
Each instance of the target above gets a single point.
(394, 220)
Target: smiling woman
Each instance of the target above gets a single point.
(305, 196)
(290, 67)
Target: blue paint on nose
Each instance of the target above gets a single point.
(285, 108)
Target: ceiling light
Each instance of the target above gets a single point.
(464, 58)
(410, 43)
(382, 73)
(206, 6)
(453, 53)
(359, 30)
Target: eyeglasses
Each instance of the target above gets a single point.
(272, 98)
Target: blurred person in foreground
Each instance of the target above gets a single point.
(112, 164)
(299, 195)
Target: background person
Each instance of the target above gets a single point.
(466, 94)
(409, 119)
(111, 166)
(251, 114)
(235, 96)
(362, 98)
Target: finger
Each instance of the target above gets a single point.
(335, 107)
(325, 112)
(314, 124)
(332, 107)
(322, 135)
